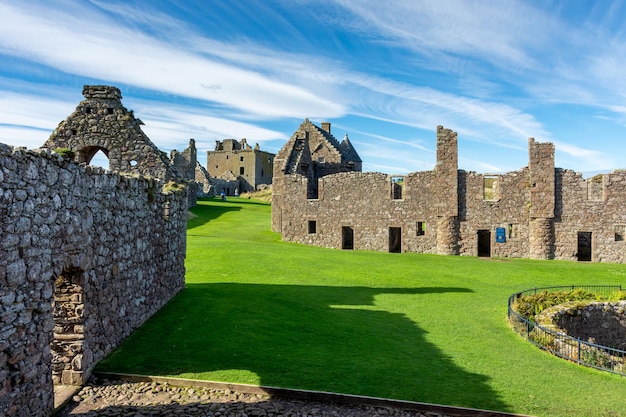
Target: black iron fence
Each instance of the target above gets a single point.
(567, 347)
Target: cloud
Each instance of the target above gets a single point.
(494, 32)
(90, 44)
(170, 126)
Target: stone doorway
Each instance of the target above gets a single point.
(68, 311)
(395, 239)
(347, 238)
(584, 247)
(484, 243)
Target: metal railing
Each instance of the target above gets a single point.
(560, 344)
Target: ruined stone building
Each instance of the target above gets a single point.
(102, 123)
(239, 164)
(538, 212)
(87, 254)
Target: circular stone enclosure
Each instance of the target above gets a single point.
(602, 323)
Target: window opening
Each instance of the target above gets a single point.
(395, 239)
(490, 187)
(312, 226)
(594, 187)
(98, 157)
(420, 229)
(620, 232)
(584, 246)
(241, 170)
(513, 230)
(241, 158)
(347, 238)
(397, 188)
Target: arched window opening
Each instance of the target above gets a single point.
(98, 157)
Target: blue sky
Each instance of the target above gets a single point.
(384, 72)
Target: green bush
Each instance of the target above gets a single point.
(531, 305)
(66, 153)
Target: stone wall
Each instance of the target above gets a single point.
(538, 212)
(602, 216)
(602, 323)
(86, 256)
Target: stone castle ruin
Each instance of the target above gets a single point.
(86, 254)
(321, 198)
(239, 166)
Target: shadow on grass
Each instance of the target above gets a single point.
(308, 337)
(206, 213)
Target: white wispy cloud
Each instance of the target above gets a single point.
(493, 31)
(99, 47)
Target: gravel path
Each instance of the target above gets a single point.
(135, 399)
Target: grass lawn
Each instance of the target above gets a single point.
(406, 326)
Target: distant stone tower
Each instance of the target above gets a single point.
(446, 189)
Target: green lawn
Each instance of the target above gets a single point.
(407, 326)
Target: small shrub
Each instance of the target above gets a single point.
(66, 153)
(617, 296)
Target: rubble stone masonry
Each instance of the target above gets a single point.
(86, 256)
(538, 212)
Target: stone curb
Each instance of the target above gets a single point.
(307, 395)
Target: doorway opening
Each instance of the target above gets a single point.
(584, 246)
(395, 239)
(347, 238)
(68, 312)
(484, 243)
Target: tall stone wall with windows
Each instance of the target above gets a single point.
(538, 212)
(86, 256)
